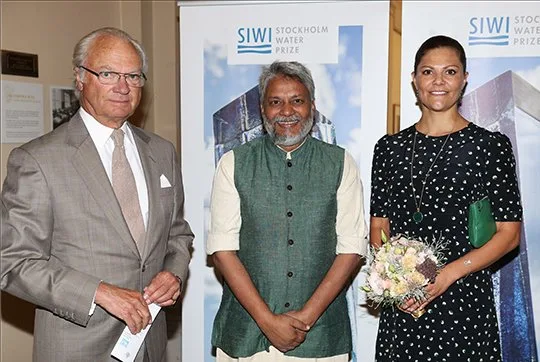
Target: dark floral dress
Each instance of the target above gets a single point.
(461, 324)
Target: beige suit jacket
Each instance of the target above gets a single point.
(63, 232)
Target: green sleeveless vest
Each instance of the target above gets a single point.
(287, 244)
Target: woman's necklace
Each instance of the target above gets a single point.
(417, 216)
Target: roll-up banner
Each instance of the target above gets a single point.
(502, 43)
(223, 45)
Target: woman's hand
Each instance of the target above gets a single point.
(505, 239)
(442, 282)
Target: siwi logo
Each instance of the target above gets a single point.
(489, 30)
(254, 40)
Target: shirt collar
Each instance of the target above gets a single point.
(100, 133)
(289, 153)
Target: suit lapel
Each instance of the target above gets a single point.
(88, 164)
(151, 175)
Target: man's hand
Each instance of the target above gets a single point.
(284, 332)
(125, 304)
(300, 315)
(164, 289)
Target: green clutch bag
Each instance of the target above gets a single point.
(481, 222)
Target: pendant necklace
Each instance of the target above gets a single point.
(417, 216)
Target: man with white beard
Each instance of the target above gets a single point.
(287, 231)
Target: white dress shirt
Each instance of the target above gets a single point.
(101, 135)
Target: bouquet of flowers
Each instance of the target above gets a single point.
(400, 269)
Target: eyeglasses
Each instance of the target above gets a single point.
(108, 77)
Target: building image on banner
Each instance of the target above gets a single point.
(509, 104)
(502, 94)
(222, 52)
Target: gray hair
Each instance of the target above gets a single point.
(81, 50)
(292, 70)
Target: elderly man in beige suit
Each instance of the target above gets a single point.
(92, 224)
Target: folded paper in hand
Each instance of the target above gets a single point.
(128, 345)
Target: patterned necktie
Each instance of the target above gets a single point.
(124, 187)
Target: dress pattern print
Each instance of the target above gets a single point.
(461, 324)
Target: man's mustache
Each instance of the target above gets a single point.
(293, 118)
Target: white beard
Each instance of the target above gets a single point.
(288, 139)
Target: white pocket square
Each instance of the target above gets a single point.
(164, 182)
